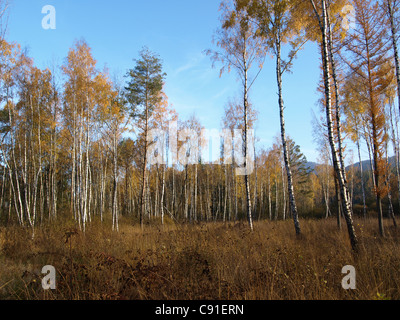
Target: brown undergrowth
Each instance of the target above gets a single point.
(207, 261)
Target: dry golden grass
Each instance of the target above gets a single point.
(208, 261)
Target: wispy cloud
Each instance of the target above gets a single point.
(222, 93)
(195, 61)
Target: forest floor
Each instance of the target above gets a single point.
(208, 261)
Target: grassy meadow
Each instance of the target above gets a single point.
(206, 261)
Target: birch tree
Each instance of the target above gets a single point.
(33, 137)
(162, 118)
(278, 27)
(78, 114)
(391, 8)
(111, 113)
(233, 120)
(321, 15)
(240, 51)
(9, 64)
(4, 4)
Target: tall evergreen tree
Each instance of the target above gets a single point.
(144, 93)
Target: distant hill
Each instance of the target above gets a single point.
(366, 164)
(311, 165)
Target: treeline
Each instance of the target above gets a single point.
(83, 147)
(67, 151)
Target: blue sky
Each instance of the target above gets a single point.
(179, 31)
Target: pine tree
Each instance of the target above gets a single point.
(144, 93)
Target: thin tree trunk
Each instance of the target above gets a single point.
(162, 194)
(173, 209)
(371, 162)
(337, 105)
(255, 183)
(235, 194)
(394, 44)
(195, 192)
(276, 198)
(225, 193)
(246, 131)
(292, 199)
(284, 195)
(395, 147)
(269, 197)
(387, 182)
(343, 188)
(362, 179)
(143, 195)
(115, 187)
(325, 192)
(186, 210)
(260, 215)
(157, 191)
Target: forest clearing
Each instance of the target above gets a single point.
(146, 181)
(213, 261)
